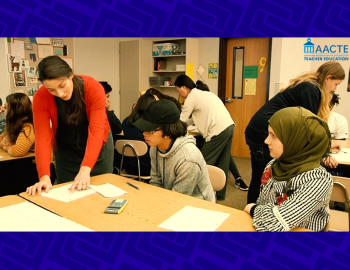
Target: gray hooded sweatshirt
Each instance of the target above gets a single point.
(182, 169)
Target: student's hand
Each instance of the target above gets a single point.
(335, 148)
(5, 143)
(248, 207)
(44, 183)
(330, 162)
(82, 180)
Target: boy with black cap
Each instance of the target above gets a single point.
(177, 164)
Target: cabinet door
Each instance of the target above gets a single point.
(129, 76)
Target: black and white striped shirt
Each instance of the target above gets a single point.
(307, 207)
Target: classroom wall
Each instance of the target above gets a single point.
(287, 62)
(99, 58)
(4, 78)
(208, 52)
(66, 41)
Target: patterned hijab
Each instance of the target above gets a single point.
(305, 138)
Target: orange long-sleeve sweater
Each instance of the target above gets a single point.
(44, 110)
(24, 143)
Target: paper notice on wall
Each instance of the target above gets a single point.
(250, 87)
(190, 70)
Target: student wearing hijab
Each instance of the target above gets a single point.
(295, 190)
(312, 91)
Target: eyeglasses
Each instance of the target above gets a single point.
(151, 132)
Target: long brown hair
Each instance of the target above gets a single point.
(140, 108)
(19, 113)
(318, 78)
(54, 67)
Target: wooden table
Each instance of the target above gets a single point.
(6, 157)
(10, 200)
(147, 208)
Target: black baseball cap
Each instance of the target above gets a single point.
(158, 113)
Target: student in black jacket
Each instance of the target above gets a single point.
(114, 122)
(312, 91)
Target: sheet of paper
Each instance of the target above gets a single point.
(194, 219)
(45, 50)
(108, 190)
(17, 48)
(343, 155)
(43, 41)
(63, 194)
(29, 217)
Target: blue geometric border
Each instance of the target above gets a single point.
(175, 18)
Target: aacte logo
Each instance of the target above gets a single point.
(326, 53)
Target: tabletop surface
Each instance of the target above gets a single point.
(10, 200)
(4, 156)
(147, 208)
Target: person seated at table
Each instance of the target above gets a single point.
(176, 162)
(18, 138)
(2, 118)
(337, 123)
(114, 122)
(295, 190)
(133, 133)
(159, 95)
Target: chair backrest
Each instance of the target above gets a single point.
(341, 187)
(129, 146)
(217, 177)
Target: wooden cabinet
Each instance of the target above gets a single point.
(188, 60)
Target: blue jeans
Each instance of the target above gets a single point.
(260, 156)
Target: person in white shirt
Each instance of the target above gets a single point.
(213, 121)
(337, 123)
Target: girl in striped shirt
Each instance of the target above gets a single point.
(18, 137)
(295, 190)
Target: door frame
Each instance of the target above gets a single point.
(223, 68)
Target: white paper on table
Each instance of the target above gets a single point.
(108, 190)
(26, 216)
(63, 194)
(343, 155)
(194, 219)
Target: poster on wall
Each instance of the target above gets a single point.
(31, 72)
(213, 70)
(24, 64)
(14, 63)
(19, 79)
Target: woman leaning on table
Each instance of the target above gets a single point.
(312, 91)
(80, 133)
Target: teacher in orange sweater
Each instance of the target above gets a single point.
(79, 131)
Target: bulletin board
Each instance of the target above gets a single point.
(24, 55)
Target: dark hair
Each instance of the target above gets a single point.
(54, 67)
(0, 102)
(160, 95)
(184, 80)
(139, 109)
(174, 130)
(334, 101)
(19, 112)
(107, 87)
(202, 86)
